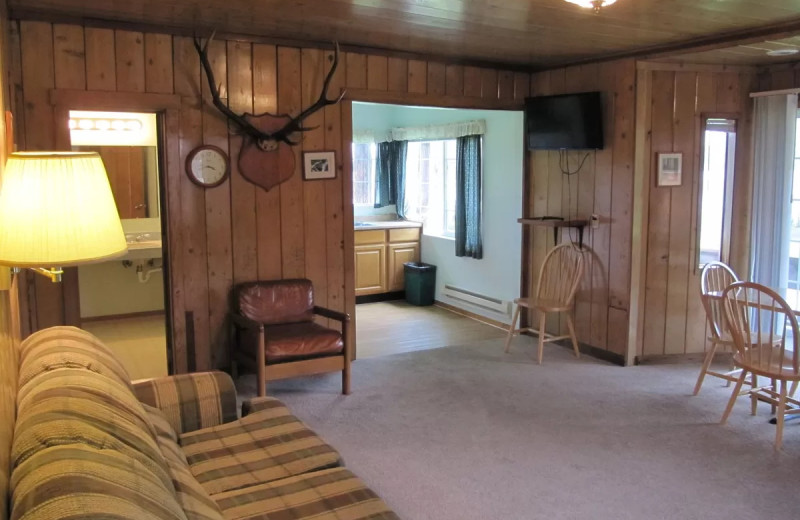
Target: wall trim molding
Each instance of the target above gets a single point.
(432, 100)
(130, 315)
(675, 66)
(595, 352)
(472, 315)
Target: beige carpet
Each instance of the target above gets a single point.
(469, 433)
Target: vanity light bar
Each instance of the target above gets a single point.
(130, 125)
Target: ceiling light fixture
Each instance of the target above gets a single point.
(592, 4)
(782, 52)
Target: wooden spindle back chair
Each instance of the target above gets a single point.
(714, 278)
(765, 333)
(559, 278)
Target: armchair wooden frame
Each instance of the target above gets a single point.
(287, 369)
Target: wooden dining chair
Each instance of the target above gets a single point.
(559, 277)
(766, 336)
(714, 278)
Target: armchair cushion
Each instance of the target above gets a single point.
(278, 301)
(293, 341)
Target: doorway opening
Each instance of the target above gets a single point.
(123, 301)
(406, 189)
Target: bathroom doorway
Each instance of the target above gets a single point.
(122, 301)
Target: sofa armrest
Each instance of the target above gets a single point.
(329, 313)
(258, 404)
(191, 401)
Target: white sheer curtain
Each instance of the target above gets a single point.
(775, 128)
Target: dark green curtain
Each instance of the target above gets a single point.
(469, 241)
(390, 175)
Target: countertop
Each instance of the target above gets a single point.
(385, 224)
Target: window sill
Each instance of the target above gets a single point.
(443, 237)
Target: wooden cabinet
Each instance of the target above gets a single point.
(379, 258)
(370, 269)
(398, 255)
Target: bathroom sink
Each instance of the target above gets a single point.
(363, 224)
(143, 245)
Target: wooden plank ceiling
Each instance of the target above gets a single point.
(538, 33)
(747, 54)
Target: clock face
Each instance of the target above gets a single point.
(208, 166)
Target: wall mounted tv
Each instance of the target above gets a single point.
(565, 122)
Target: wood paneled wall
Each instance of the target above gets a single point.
(603, 186)
(234, 232)
(9, 333)
(674, 320)
(779, 77)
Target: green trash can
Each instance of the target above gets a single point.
(420, 281)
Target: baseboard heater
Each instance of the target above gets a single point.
(479, 300)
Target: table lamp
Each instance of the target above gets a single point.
(57, 210)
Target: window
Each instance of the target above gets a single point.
(719, 146)
(431, 185)
(364, 155)
(794, 244)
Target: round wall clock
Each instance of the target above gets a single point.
(207, 166)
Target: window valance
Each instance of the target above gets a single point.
(368, 136)
(439, 132)
(421, 133)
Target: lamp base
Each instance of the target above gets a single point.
(54, 273)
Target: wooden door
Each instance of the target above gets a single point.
(398, 255)
(125, 166)
(370, 267)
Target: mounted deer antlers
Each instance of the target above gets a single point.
(266, 133)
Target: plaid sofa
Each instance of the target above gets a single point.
(88, 443)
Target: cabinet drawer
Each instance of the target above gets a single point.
(373, 236)
(404, 235)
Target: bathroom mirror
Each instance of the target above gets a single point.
(128, 144)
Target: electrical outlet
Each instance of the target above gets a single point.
(595, 221)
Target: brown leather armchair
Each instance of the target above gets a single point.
(273, 333)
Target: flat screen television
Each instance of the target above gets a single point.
(565, 122)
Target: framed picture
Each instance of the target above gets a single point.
(670, 169)
(319, 165)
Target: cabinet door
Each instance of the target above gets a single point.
(370, 267)
(398, 255)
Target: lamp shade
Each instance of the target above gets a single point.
(57, 209)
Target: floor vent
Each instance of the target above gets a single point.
(479, 300)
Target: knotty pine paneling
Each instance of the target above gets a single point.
(674, 320)
(9, 317)
(234, 232)
(603, 186)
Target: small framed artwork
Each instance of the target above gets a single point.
(319, 165)
(670, 169)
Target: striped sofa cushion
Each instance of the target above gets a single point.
(75, 406)
(166, 437)
(264, 446)
(193, 499)
(191, 401)
(67, 347)
(331, 494)
(80, 481)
